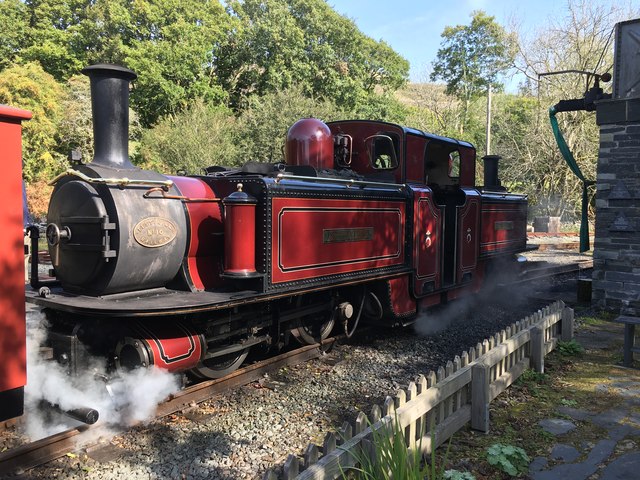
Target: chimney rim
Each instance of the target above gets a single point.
(111, 70)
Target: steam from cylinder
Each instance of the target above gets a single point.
(110, 112)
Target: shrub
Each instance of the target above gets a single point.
(570, 349)
(511, 460)
(200, 136)
(393, 460)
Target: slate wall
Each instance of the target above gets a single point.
(616, 256)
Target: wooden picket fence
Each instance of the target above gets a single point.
(439, 404)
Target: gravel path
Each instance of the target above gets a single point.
(241, 434)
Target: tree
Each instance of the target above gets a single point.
(264, 123)
(75, 130)
(276, 44)
(197, 137)
(31, 88)
(579, 40)
(13, 30)
(472, 57)
(171, 45)
(49, 38)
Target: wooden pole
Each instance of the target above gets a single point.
(488, 151)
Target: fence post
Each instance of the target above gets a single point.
(361, 423)
(410, 431)
(329, 443)
(480, 397)
(311, 455)
(567, 324)
(291, 467)
(537, 348)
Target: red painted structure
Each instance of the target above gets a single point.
(13, 360)
(202, 265)
(309, 142)
(170, 346)
(240, 234)
(369, 217)
(319, 237)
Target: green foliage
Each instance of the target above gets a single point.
(31, 88)
(511, 460)
(570, 348)
(567, 402)
(457, 475)
(50, 38)
(171, 44)
(13, 30)
(471, 57)
(76, 128)
(264, 123)
(276, 44)
(199, 136)
(393, 460)
(531, 376)
(382, 107)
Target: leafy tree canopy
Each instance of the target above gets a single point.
(30, 87)
(472, 57)
(276, 44)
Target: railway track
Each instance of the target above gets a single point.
(42, 451)
(535, 272)
(47, 449)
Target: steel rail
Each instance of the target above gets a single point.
(551, 271)
(42, 451)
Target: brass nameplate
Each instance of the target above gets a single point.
(154, 232)
(341, 235)
(506, 225)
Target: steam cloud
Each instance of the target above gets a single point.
(497, 289)
(126, 400)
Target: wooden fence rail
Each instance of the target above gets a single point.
(437, 405)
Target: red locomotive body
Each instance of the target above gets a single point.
(13, 357)
(364, 219)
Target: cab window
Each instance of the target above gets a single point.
(382, 152)
(442, 165)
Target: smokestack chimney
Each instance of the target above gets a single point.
(491, 180)
(110, 112)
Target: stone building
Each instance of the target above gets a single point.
(616, 273)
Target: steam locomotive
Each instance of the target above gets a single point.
(363, 221)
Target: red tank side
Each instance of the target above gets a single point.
(202, 264)
(309, 142)
(13, 357)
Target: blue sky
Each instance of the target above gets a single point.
(413, 27)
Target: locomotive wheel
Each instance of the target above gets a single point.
(311, 329)
(218, 367)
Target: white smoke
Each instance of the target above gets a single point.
(437, 319)
(499, 287)
(124, 401)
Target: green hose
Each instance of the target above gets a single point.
(573, 165)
